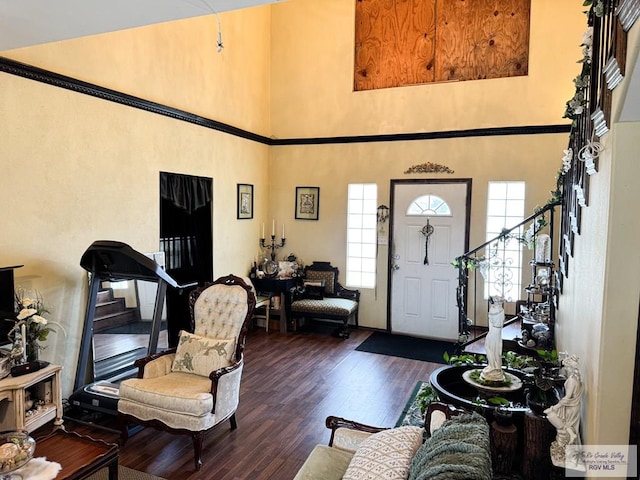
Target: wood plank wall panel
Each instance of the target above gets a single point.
(478, 39)
(394, 44)
(406, 42)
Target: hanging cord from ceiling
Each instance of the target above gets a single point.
(220, 45)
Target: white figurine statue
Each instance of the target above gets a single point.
(543, 248)
(493, 342)
(565, 415)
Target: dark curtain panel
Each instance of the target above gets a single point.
(186, 239)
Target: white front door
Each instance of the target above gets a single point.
(423, 281)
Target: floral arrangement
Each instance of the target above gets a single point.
(576, 105)
(31, 327)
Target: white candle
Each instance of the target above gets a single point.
(23, 333)
(283, 230)
(262, 229)
(273, 228)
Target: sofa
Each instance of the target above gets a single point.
(452, 444)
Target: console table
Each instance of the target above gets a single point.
(281, 287)
(44, 385)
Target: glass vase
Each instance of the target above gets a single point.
(33, 351)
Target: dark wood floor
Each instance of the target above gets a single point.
(290, 384)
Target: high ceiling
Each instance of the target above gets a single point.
(25, 23)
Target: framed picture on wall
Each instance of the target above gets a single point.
(307, 203)
(245, 201)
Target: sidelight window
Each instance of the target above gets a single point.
(505, 209)
(362, 201)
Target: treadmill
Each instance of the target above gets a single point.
(97, 389)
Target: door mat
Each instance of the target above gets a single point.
(407, 347)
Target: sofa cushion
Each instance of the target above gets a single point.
(458, 450)
(385, 455)
(324, 463)
(202, 355)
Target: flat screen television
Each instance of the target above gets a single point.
(7, 302)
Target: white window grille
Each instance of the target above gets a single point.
(505, 209)
(362, 199)
(428, 205)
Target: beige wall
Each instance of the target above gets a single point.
(333, 167)
(75, 169)
(312, 78)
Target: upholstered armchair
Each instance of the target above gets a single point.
(192, 388)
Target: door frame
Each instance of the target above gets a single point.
(438, 181)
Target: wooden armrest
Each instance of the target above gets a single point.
(142, 362)
(445, 409)
(216, 374)
(348, 293)
(333, 423)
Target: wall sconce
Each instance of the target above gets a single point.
(383, 213)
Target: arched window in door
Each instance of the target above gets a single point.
(428, 205)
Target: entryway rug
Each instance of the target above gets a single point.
(124, 473)
(407, 347)
(411, 414)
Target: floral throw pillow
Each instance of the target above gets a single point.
(385, 455)
(202, 355)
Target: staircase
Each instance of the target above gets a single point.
(112, 312)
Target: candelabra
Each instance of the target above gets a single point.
(274, 246)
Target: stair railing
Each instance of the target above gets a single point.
(485, 258)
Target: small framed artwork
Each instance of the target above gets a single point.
(307, 203)
(245, 201)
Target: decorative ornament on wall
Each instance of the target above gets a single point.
(599, 122)
(580, 195)
(429, 167)
(588, 155)
(628, 12)
(567, 159)
(612, 73)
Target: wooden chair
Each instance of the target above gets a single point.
(190, 389)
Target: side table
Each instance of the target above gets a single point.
(282, 287)
(45, 385)
(80, 456)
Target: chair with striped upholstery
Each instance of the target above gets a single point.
(322, 297)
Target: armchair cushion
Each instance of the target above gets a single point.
(324, 463)
(217, 309)
(327, 277)
(202, 355)
(386, 454)
(178, 392)
(314, 290)
(340, 307)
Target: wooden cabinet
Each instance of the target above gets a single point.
(43, 387)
